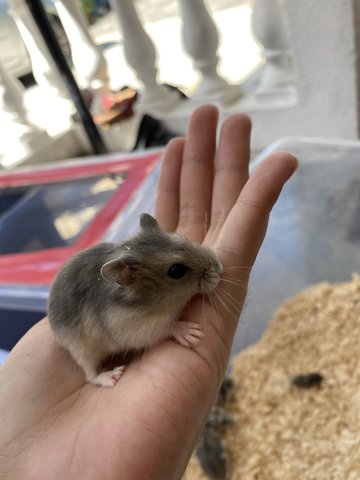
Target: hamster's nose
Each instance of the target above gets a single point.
(219, 267)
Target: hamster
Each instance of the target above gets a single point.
(212, 451)
(119, 298)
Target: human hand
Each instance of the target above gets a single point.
(54, 426)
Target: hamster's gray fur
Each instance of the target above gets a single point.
(112, 298)
(212, 448)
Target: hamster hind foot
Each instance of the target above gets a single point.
(108, 378)
(187, 334)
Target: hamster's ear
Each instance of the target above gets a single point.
(147, 222)
(121, 270)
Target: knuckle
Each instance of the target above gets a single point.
(232, 254)
(191, 215)
(247, 202)
(218, 217)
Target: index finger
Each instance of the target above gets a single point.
(167, 197)
(197, 173)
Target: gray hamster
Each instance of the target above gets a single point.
(212, 449)
(119, 298)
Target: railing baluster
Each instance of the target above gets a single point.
(270, 30)
(44, 68)
(88, 60)
(201, 40)
(20, 137)
(140, 53)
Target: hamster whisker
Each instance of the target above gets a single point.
(217, 228)
(203, 313)
(219, 304)
(230, 277)
(219, 224)
(214, 305)
(230, 298)
(205, 226)
(211, 298)
(237, 268)
(235, 281)
(233, 310)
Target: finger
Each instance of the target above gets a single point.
(197, 173)
(241, 237)
(245, 227)
(231, 169)
(167, 198)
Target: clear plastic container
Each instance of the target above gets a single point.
(49, 213)
(314, 230)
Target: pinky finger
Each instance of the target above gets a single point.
(245, 227)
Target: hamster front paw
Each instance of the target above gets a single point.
(109, 378)
(187, 334)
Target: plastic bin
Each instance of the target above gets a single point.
(314, 230)
(49, 213)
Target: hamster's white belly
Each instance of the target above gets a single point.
(135, 331)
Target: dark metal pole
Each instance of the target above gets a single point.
(39, 14)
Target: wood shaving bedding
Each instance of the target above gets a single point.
(283, 432)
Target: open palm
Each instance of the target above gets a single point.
(54, 426)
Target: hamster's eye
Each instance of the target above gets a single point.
(177, 271)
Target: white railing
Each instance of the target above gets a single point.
(316, 39)
(201, 41)
(19, 136)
